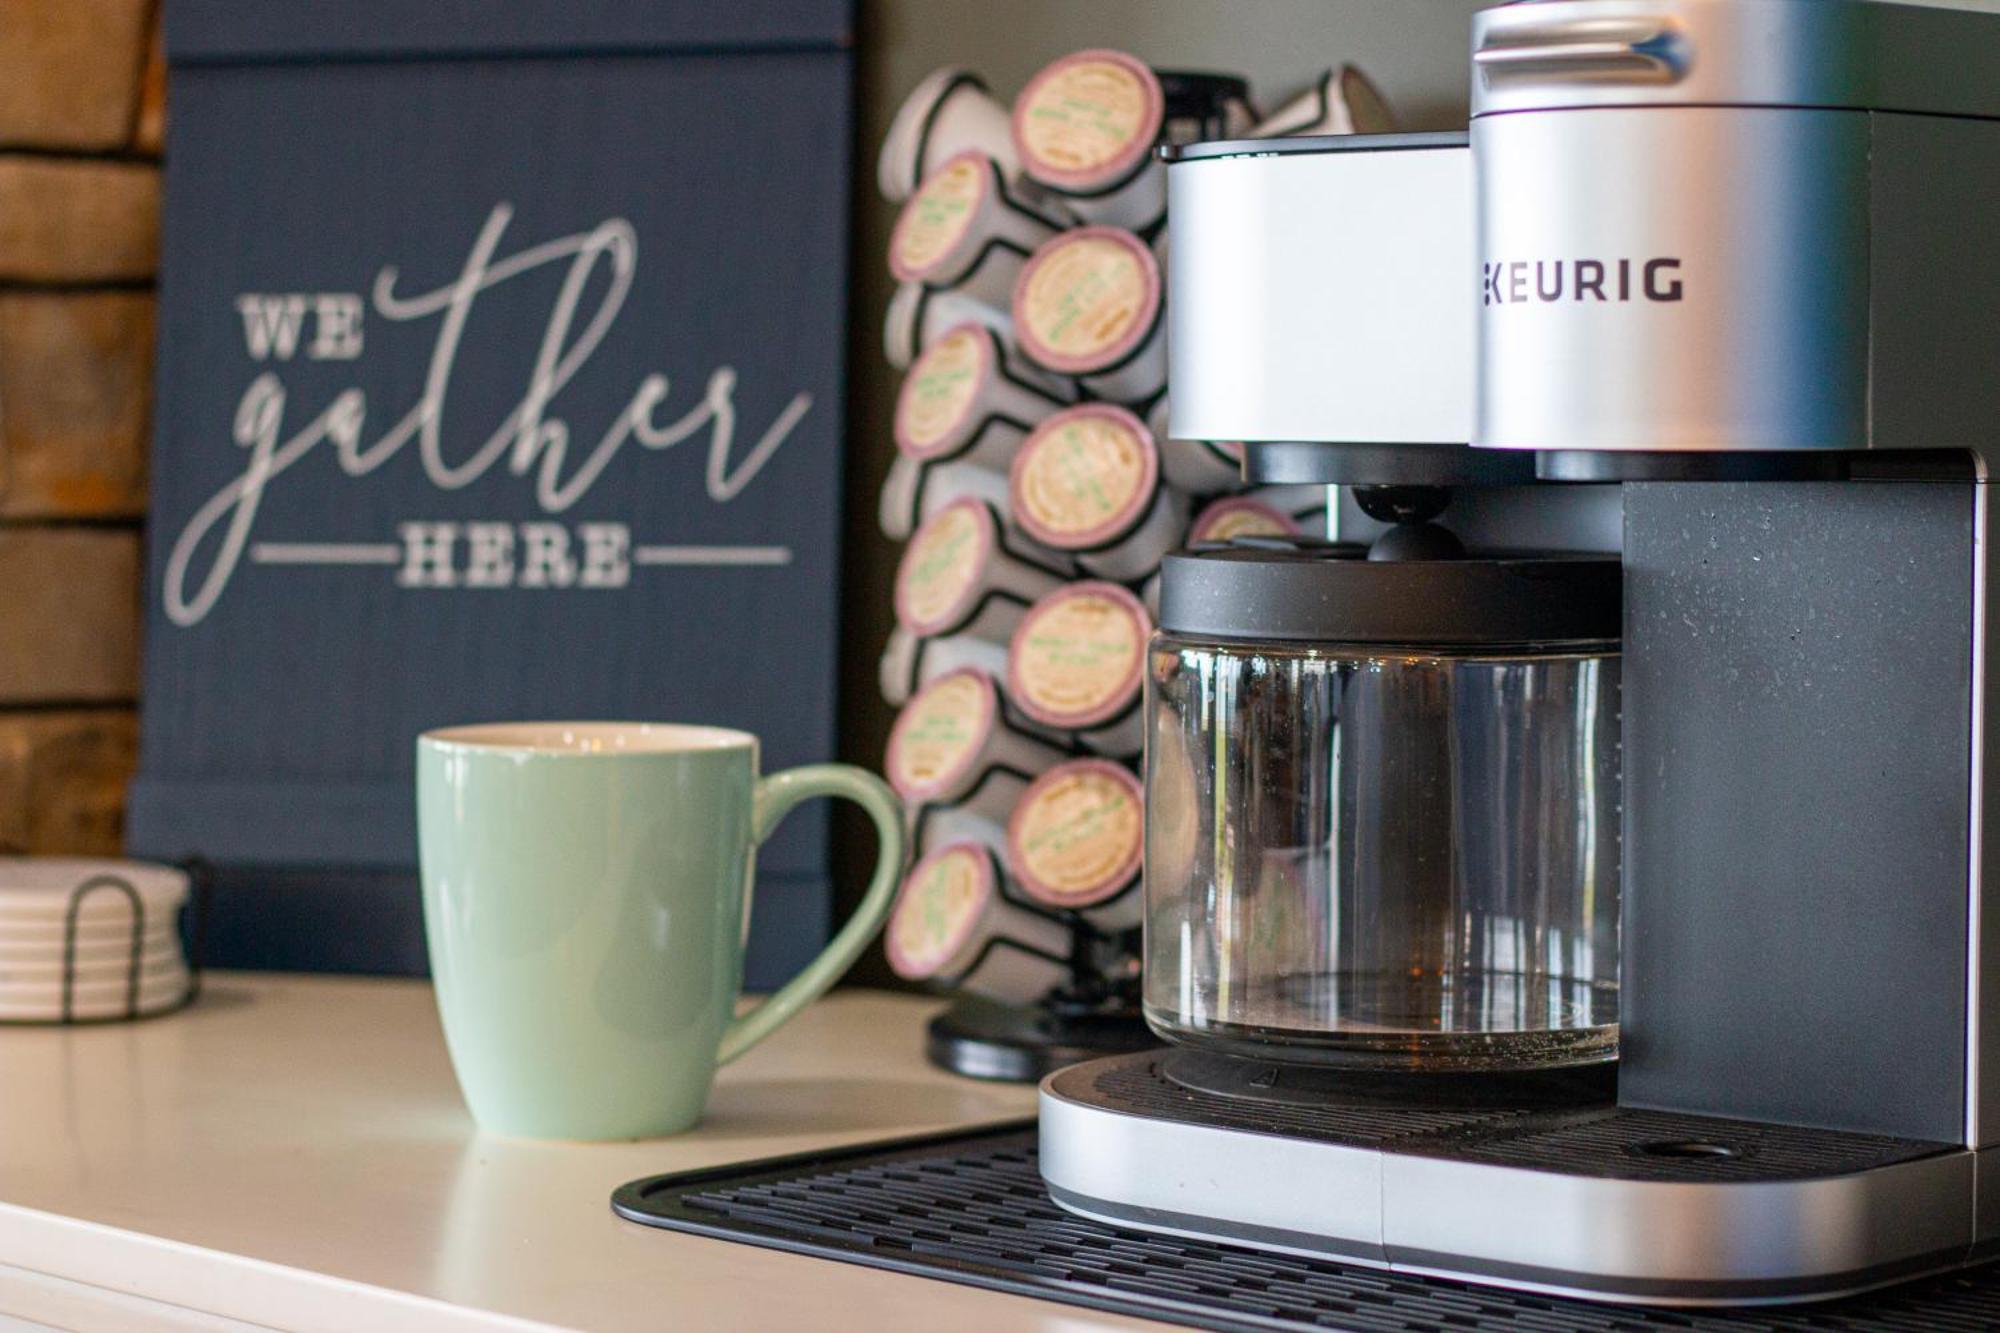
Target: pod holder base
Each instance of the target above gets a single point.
(985, 1039)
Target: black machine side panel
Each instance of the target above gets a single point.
(1797, 723)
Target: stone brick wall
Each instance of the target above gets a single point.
(81, 117)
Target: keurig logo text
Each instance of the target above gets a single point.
(1520, 281)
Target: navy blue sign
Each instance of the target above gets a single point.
(499, 378)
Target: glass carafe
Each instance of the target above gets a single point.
(1383, 856)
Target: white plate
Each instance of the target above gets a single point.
(46, 883)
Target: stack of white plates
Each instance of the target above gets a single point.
(36, 895)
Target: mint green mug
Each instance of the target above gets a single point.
(586, 901)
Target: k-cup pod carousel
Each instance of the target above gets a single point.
(959, 575)
(1076, 840)
(1198, 467)
(1076, 666)
(910, 662)
(965, 231)
(1088, 305)
(914, 492)
(1035, 487)
(1030, 923)
(953, 745)
(1235, 516)
(1339, 101)
(917, 316)
(1037, 942)
(1085, 127)
(963, 401)
(1089, 482)
(948, 113)
(955, 923)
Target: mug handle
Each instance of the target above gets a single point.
(775, 796)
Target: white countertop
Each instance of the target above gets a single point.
(292, 1152)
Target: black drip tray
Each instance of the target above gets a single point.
(970, 1208)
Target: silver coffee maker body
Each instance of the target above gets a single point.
(1727, 271)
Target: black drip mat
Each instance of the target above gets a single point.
(970, 1208)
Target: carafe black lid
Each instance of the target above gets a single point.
(1301, 591)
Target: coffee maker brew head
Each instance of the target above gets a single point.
(1279, 338)
(1320, 315)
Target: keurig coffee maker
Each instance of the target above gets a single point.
(1572, 873)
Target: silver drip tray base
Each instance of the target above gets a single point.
(1573, 1195)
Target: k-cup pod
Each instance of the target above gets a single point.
(964, 231)
(915, 491)
(962, 400)
(952, 745)
(1306, 504)
(1077, 665)
(959, 575)
(1197, 467)
(918, 317)
(946, 114)
(1088, 305)
(1084, 129)
(1087, 482)
(910, 663)
(1014, 973)
(1342, 102)
(1202, 467)
(953, 926)
(935, 826)
(1075, 841)
(1236, 516)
